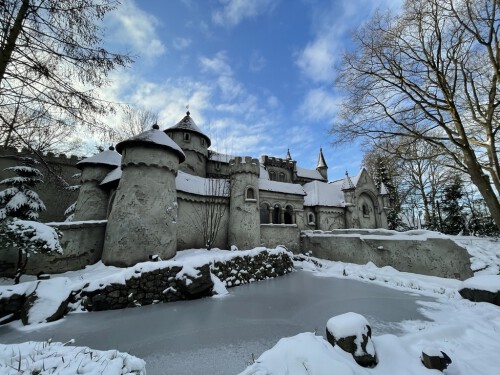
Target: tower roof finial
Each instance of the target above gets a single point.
(187, 110)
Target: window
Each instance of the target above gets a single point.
(187, 137)
(202, 141)
(289, 215)
(311, 219)
(281, 177)
(217, 166)
(264, 213)
(250, 194)
(272, 176)
(277, 214)
(366, 211)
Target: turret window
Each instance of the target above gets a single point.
(202, 141)
(187, 137)
(250, 194)
(311, 219)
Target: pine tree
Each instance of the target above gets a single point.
(451, 207)
(18, 199)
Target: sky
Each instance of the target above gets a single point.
(258, 75)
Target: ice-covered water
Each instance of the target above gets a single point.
(222, 335)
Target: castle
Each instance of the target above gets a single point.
(160, 190)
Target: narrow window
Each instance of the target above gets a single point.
(282, 177)
(217, 166)
(202, 140)
(250, 195)
(272, 176)
(187, 137)
(311, 219)
(264, 213)
(366, 211)
(289, 215)
(277, 214)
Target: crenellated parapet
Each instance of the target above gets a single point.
(278, 162)
(244, 165)
(49, 157)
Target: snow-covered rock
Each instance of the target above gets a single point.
(352, 333)
(482, 288)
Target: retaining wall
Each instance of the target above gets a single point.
(422, 252)
(288, 235)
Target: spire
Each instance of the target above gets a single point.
(288, 156)
(347, 184)
(321, 160)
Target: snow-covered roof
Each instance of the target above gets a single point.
(153, 137)
(324, 194)
(309, 173)
(187, 123)
(264, 174)
(223, 158)
(280, 187)
(201, 186)
(108, 157)
(112, 176)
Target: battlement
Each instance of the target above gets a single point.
(49, 157)
(278, 162)
(246, 165)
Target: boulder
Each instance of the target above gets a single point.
(435, 359)
(352, 333)
(195, 286)
(484, 288)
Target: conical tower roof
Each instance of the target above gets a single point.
(347, 183)
(288, 155)
(321, 160)
(153, 137)
(187, 124)
(109, 157)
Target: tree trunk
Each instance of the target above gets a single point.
(10, 45)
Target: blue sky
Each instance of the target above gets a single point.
(257, 74)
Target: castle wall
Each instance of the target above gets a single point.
(195, 150)
(55, 197)
(426, 255)
(191, 215)
(272, 235)
(328, 218)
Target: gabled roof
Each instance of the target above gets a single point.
(323, 194)
(153, 137)
(109, 157)
(281, 187)
(312, 174)
(187, 123)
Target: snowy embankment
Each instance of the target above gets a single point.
(466, 331)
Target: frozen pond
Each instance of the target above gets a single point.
(220, 335)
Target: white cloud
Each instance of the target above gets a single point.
(136, 28)
(217, 65)
(181, 43)
(318, 58)
(235, 11)
(257, 62)
(319, 105)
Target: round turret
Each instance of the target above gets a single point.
(92, 202)
(193, 142)
(244, 218)
(143, 219)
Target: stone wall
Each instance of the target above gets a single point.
(421, 252)
(272, 235)
(82, 245)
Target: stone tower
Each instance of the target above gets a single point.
(244, 218)
(92, 202)
(194, 143)
(143, 219)
(321, 166)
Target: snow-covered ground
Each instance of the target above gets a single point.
(468, 332)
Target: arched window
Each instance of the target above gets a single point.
(187, 137)
(264, 213)
(281, 177)
(250, 194)
(311, 219)
(272, 176)
(277, 214)
(289, 215)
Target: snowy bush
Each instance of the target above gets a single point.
(28, 237)
(18, 199)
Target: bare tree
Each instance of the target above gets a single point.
(135, 121)
(208, 217)
(430, 74)
(52, 60)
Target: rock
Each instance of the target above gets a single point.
(100, 302)
(435, 359)
(485, 288)
(196, 287)
(352, 333)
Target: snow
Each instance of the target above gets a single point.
(188, 124)
(323, 194)
(281, 187)
(51, 293)
(63, 359)
(348, 324)
(309, 173)
(41, 232)
(108, 157)
(201, 186)
(490, 283)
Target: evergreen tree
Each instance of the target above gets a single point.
(18, 199)
(451, 207)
